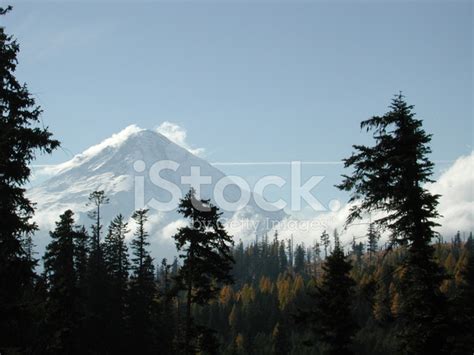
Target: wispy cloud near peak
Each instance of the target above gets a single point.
(178, 135)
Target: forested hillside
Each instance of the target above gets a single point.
(259, 314)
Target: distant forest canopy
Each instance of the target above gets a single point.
(99, 294)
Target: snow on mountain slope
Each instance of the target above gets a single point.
(109, 166)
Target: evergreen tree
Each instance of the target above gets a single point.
(21, 137)
(96, 200)
(317, 257)
(62, 311)
(330, 316)
(81, 254)
(283, 259)
(97, 280)
(116, 258)
(205, 249)
(389, 177)
(372, 241)
(456, 245)
(167, 326)
(325, 241)
(175, 266)
(290, 252)
(299, 259)
(143, 307)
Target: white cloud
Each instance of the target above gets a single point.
(456, 204)
(172, 228)
(178, 135)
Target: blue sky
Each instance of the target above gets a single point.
(268, 81)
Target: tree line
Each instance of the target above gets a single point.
(349, 302)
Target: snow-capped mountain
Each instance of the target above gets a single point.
(120, 165)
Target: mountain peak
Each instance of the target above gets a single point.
(110, 166)
(132, 139)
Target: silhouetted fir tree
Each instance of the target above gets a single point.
(389, 177)
(21, 136)
(290, 252)
(62, 301)
(456, 245)
(117, 264)
(167, 317)
(272, 266)
(316, 258)
(282, 258)
(97, 280)
(330, 316)
(175, 266)
(96, 200)
(299, 259)
(205, 249)
(326, 242)
(81, 254)
(143, 307)
(373, 238)
(239, 257)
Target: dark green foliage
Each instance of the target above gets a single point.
(330, 316)
(81, 256)
(117, 265)
(389, 177)
(167, 322)
(422, 314)
(248, 312)
(373, 238)
(299, 259)
(116, 253)
(205, 249)
(96, 200)
(97, 280)
(142, 289)
(457, 243)
(462, 307)
(283, 260)
(281, 341)
(81, 253)
(326, 242)
(62, 302)
(20, 139)
(382, 301)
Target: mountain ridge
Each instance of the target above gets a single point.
(110, 166)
